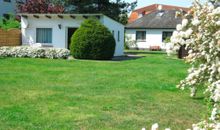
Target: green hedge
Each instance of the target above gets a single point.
(9, 23)
(92, 41)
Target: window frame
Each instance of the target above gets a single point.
(119, 37)
(166, 32)
(145, 36)
(113, 33)
(45, 43)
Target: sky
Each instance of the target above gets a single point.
(184, 3)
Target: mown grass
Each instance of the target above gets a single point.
(96, 95)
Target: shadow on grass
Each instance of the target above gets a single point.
(127, 57)
(135, 54)
(199, 98)
(145, 52)
(116, 58)
(2, 58)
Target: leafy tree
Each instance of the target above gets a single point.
(117, 10)
(40, 6)
(199, 32)
(8, 23)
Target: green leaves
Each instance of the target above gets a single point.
(92, 41)
(117, 10)
(9, 23)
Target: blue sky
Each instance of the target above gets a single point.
(184, 3)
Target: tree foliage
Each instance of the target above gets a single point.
(200, 33)
(9, 23)
(115, 9)
(40, 6)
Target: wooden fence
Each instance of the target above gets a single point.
(10, 37)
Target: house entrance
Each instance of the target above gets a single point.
(70, 33)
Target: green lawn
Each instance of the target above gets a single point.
(96, 95)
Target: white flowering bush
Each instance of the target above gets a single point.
(34, 52)
(200, 33)
(129, 43)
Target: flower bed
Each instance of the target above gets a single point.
(33, 52)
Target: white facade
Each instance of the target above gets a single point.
(118, 31)
(154, 37)
(59, 26)
(7, 7)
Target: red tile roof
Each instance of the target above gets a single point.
(152, 8)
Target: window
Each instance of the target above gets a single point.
(113, 33)
(140, 35)
(44, 35)
(118, 36)
(160, 13)
(166, 35)
(7, 0)
(21, 1)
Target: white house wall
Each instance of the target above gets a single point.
(153, 37)
(7, 7)
(59, 36)
(115, 26)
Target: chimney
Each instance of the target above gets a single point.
(160, 7)
(140, 15)
(160, 10)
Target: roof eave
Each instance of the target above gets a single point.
(148, 28)
(50, 14)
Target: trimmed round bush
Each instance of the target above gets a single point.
(92, 41)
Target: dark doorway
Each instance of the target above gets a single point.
(70, 33)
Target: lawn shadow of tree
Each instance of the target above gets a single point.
(134, 54)
(127, 57)
(144, 52)
(2, 58)
(199, 98)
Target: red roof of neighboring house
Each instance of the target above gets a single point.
(152, 8)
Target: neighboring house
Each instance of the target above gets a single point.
(138, 13)
(151, 30)
(7, 7)
(55, 30)
(151, 25)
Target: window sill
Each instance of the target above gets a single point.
(141, 41)
(46, 45)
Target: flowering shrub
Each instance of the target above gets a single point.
(130, 44)
(33, 52)
(200, 32)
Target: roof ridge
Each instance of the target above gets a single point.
(156, 5)
(144, 7)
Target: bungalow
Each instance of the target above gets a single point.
(55, 30)
(152, 29)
